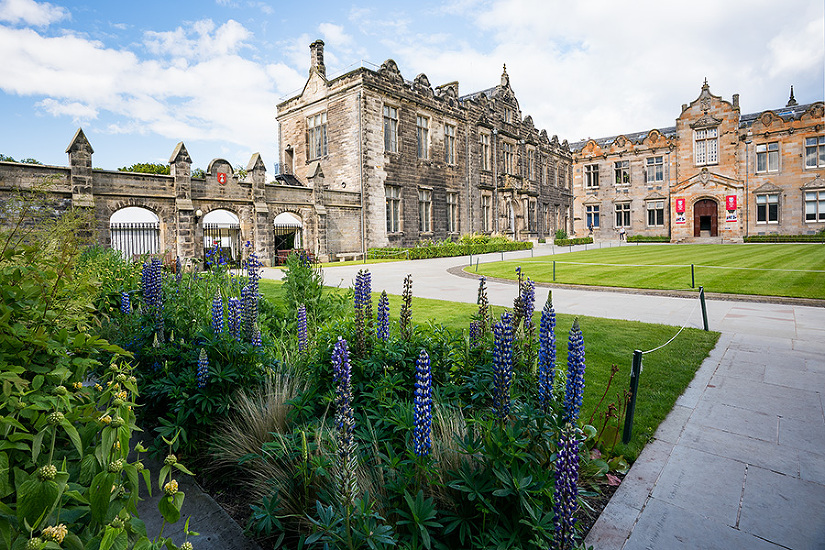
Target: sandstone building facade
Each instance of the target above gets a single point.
(425, 163)
(717, 174)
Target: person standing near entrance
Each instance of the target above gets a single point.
(621, 233)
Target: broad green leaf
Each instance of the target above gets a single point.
(73, 435)
(5, 486)
(36, 499)
(168, 510)
(100, 493)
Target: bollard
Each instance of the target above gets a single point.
(554, 271)
(704, 307)
(477, 264)
(502, 256)
(531, 252)
(692, 278)
(634, 388)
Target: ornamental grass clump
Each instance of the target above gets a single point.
(565, 502)
(382, 330)
(502, 365)
(422, 432)
(547, 354)
(345, 423)
(574, 389)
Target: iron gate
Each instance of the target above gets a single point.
(223, 239)
(135, 238)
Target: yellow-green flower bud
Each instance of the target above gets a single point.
(117, 523)
(186, 546)
(47, 472)
(139, 466)
(171, 487)
(133, 380)
(35, 544)
(60, 390)
(117, 402)
(116, 466)
(120, 377)
(55, 418)
(170, 460)
(55, 533)
(106, 419)
(117, 421)
(19, 405)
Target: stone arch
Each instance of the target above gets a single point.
(134, 231)
(288, 227)
(705, 216)
(222, 234)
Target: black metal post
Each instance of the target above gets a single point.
(692, 277)
(634, 388)
(704, 307)
(554, 271)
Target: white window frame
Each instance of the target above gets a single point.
(706, 146)
(486, 211)
(764, 201)
(484, 140)
(422, 136)
(767, 157)
(622, 210)
(591, 176)
(592, 215)
(621, 172)
(317, 146)
(425, 210)
(655, 170)
(390, 129)
(452, 212)
(815, 152)
(655, 210)
(449, 143)
(814, 205)
(393, 200)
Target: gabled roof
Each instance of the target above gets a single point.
(635, 137)
(788, 112)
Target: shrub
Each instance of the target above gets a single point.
(573, 242)
(648, 239)
(474, 245)
(817, 238)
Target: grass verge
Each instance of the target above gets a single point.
(667, 372)
(795, 270)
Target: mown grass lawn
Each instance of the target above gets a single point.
(666, 374)
(796, 270)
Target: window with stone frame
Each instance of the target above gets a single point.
(655, 170)
(767, 157)
(656, 213)
(422, 136)
(317, 136)
(562, 175)
(591, 176)
(815, 152)
(546, 219)
(621, 170)
(509, 158)
(508, 115)
(486, 213)
(452, 212)
(591, 215)
(425, 210)
(393, 194)
(705, 146)
(815, 206)
(767, 208)
(449, 144)
(484, 140)
(531, 164)
(532, 216)
(390, 129)
(622, 214)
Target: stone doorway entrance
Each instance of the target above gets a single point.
(705, 218)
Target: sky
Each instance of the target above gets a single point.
(139, 77)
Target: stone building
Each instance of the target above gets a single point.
(425, 162)
(716, 174)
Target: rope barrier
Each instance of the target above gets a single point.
(677, 333)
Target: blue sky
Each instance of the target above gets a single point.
(141, 76)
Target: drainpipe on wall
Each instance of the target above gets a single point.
(747, 193)
(469, 199)
(495, 177)
(361, 181)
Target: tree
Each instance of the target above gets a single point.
(147, 168)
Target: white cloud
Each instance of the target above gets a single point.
(31, 12)
(201, 40)
(78, 111)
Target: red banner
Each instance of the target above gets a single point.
(730, 202)
(680, 206)
(222, 178)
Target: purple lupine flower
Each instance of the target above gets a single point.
(217, 314)
(302, 327)
(547, 354)
(257, 341)
(475, 333)
(178, 270)
(528, 299)
(483, 307)
(383, 317)
(366, 296)
(502, 365)
(422, 433)
(203, 368)
(151, 279)
(574, 389)
(125, 303)
(234, 309)
(253, 268)
(565, 502)
(250, 310)
(345, 422)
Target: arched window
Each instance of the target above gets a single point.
(135, 231)
(222, 235)
(288, 230)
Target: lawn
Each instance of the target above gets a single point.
(667, 372)
(796, 270)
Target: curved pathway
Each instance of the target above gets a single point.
(740, 460)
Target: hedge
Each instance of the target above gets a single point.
(571, 242)
(817, 238)
(443, 250)
(648, 239)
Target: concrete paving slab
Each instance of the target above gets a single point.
(642, 477)
(805, 435)
(674, 423)
(765, 398)
(736, 420)
(613, 527)
(778, 508)
(696, 480)
(666, 526)
(786, 373)
(812, 466)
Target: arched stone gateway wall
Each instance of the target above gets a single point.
(181, 202)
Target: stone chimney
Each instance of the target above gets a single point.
(735, 101)
(792, 100)
(316, 62)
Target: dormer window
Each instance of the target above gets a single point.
(705, 146)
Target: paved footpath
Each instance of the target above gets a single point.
(740, 461)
